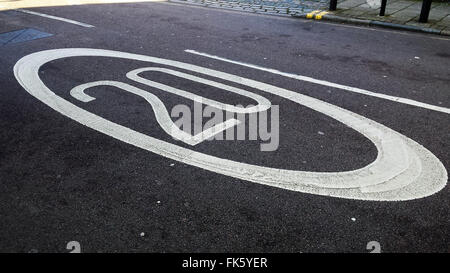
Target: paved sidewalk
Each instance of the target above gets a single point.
(399, 13)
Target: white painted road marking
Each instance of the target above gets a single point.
(54, 17)
(330, 84)
(161, 114)
(374, 246)
(403, 169)
(74, 246)
(263, 103)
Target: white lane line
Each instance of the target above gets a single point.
(54, 17)
(329, 84)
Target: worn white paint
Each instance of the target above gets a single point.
(162, 116)
(329, 84)
(262, 103)
(74, 247)
(403, 169)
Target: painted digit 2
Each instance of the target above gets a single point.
(161, 114)
(403, 169)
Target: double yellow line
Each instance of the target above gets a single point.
(316, 14)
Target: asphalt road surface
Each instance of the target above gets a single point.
(62, 181)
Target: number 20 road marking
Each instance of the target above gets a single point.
(403, 169)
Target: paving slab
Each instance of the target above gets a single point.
(399, 13)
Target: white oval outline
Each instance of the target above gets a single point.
(403, 169)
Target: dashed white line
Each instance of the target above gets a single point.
(329, 84)
(55, 18)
